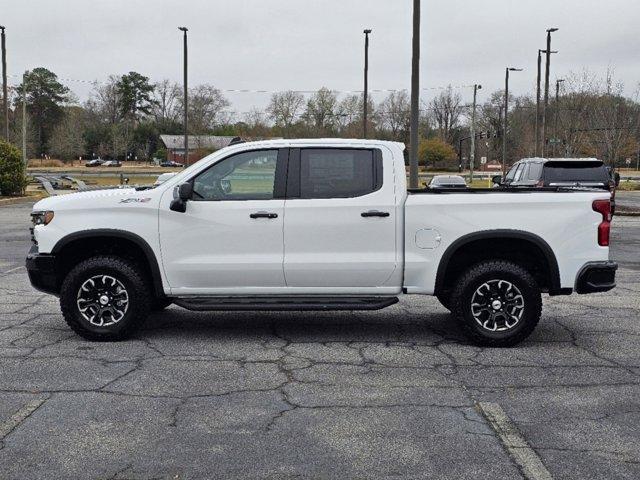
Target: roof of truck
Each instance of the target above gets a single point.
(326, 141)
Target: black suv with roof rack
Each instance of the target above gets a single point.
(560, 172)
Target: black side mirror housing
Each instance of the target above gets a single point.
(185, 191)
(497, 179)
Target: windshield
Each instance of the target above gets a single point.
(575, 172)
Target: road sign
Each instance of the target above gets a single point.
(483, 160)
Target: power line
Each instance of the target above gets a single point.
(251, 90)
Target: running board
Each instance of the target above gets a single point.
(276, 303)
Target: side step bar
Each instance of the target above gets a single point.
(284, 303)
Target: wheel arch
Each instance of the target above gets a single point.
(513, 243)
(104, 241)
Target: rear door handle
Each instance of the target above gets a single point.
(375, 213)
(263, 215)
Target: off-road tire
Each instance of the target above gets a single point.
(138, 290)
(487, 271)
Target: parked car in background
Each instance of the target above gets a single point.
(112, 163)
(561, 172)
(447, 181)
(94, 163)
(163, 178)
(171, 163)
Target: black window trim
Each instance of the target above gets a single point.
(293, 189)
(280, 180)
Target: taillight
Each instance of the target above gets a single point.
(604, 208)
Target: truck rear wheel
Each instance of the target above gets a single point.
(497, 303)
(105, 298)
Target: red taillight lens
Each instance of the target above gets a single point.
(604, 208)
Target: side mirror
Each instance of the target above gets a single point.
(616, 178)
(497, 179)
(185, 191)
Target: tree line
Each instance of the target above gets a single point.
(125, 115)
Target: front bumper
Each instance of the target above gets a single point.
(41, 270)
(596, 277)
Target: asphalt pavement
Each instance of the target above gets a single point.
(397, 393)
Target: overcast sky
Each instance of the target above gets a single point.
(304, 44)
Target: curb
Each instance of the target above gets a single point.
(17, 200)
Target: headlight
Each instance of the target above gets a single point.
(42, 218)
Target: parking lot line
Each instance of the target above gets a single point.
(20, 416)
(515, 444)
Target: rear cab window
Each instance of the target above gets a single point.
(575, 172)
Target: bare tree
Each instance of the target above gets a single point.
(66, 141)
(447, 109)
(207, 108)
(321, 111)
(283, 109)
(164, 107)
(395, 113)
(105, 101)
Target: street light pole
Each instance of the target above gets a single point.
(24, 120)
(5, 98)
(504, 117)
(184, 30)
(472, 153)
(557, 109)
(546, 89)
(538, 95)
(366, 80)
(415, 97)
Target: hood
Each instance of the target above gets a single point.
(80, 198)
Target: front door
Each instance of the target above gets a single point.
(340, 222)
(230, 239)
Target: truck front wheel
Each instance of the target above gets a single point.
(105, 298)
(497, 303)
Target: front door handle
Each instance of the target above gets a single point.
(375, 213)
(263, 215)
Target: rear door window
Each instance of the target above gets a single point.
(535, 171)
(339, 173)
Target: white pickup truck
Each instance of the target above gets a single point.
(316, 225)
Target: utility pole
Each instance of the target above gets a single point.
(536, 149)
(366, 80)
(24, 120)
(415, 97)
(506, 113)
(186, 98)
(472, 153)
(556, 111)
(546, 89)
(5, 97)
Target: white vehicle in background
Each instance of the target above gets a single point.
(447, 181)
(317, 225)
(163, 177)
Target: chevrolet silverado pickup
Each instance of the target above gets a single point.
(317, 225)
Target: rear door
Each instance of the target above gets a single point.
(340, 221)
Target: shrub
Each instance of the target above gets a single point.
(12, 178)
(436, 154)
(50, 162)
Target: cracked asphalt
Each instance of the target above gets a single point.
(388, 394)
